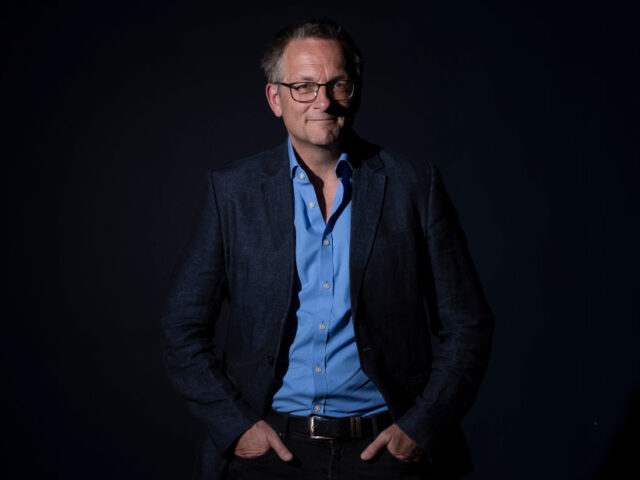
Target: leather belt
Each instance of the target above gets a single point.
(329, 428)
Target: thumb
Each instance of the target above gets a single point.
(374, 447)
(279, 447)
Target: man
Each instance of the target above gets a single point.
(334, 256)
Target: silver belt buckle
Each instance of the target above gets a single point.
(312, 429)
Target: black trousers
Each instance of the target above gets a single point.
(327, 460)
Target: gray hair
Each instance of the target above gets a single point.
(320, 28)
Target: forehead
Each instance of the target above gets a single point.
(314, 56)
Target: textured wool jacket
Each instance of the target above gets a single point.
(410, 271)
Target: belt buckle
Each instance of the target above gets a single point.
(312, 429)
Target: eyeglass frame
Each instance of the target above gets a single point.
(291, 87)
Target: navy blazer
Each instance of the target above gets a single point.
(410, 270)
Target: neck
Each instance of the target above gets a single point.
(319, 160)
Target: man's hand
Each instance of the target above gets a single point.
(258, 440)
(397, 442)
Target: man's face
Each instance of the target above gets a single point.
(322, 122)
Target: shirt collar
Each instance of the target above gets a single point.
(343, 161)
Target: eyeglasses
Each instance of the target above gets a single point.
(306, 92)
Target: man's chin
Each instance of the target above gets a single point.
(329, 139)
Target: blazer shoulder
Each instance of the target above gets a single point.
(408, 169)
(248, 170)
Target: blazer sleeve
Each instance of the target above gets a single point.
(462, 323)
(198, 288)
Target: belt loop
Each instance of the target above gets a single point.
(356, 426)
(286, 427)
(374, 425)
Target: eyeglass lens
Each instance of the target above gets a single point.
(307, 92)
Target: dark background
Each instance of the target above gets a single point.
(113, 112)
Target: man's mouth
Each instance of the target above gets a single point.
(328, 119)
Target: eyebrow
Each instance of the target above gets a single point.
(307, 78)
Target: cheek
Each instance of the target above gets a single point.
(291, 121)
(292, 115)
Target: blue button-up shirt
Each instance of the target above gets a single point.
(324, 376)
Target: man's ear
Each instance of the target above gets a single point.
(274, 99)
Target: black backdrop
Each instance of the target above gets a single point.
(113, 112)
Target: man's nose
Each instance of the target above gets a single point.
(323, 100)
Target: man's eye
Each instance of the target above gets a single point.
(340, 85)
(303, 86)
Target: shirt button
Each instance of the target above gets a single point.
(323, 326)
(317, 408)
(326, 286)
(318, 369)
(301, 176)
(312, 204)
(326, 242)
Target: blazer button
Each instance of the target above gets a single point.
(269, 359)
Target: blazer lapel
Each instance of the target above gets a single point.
(277, 198)
(368, 197)
(277, 202)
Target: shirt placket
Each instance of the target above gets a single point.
(325, 284)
